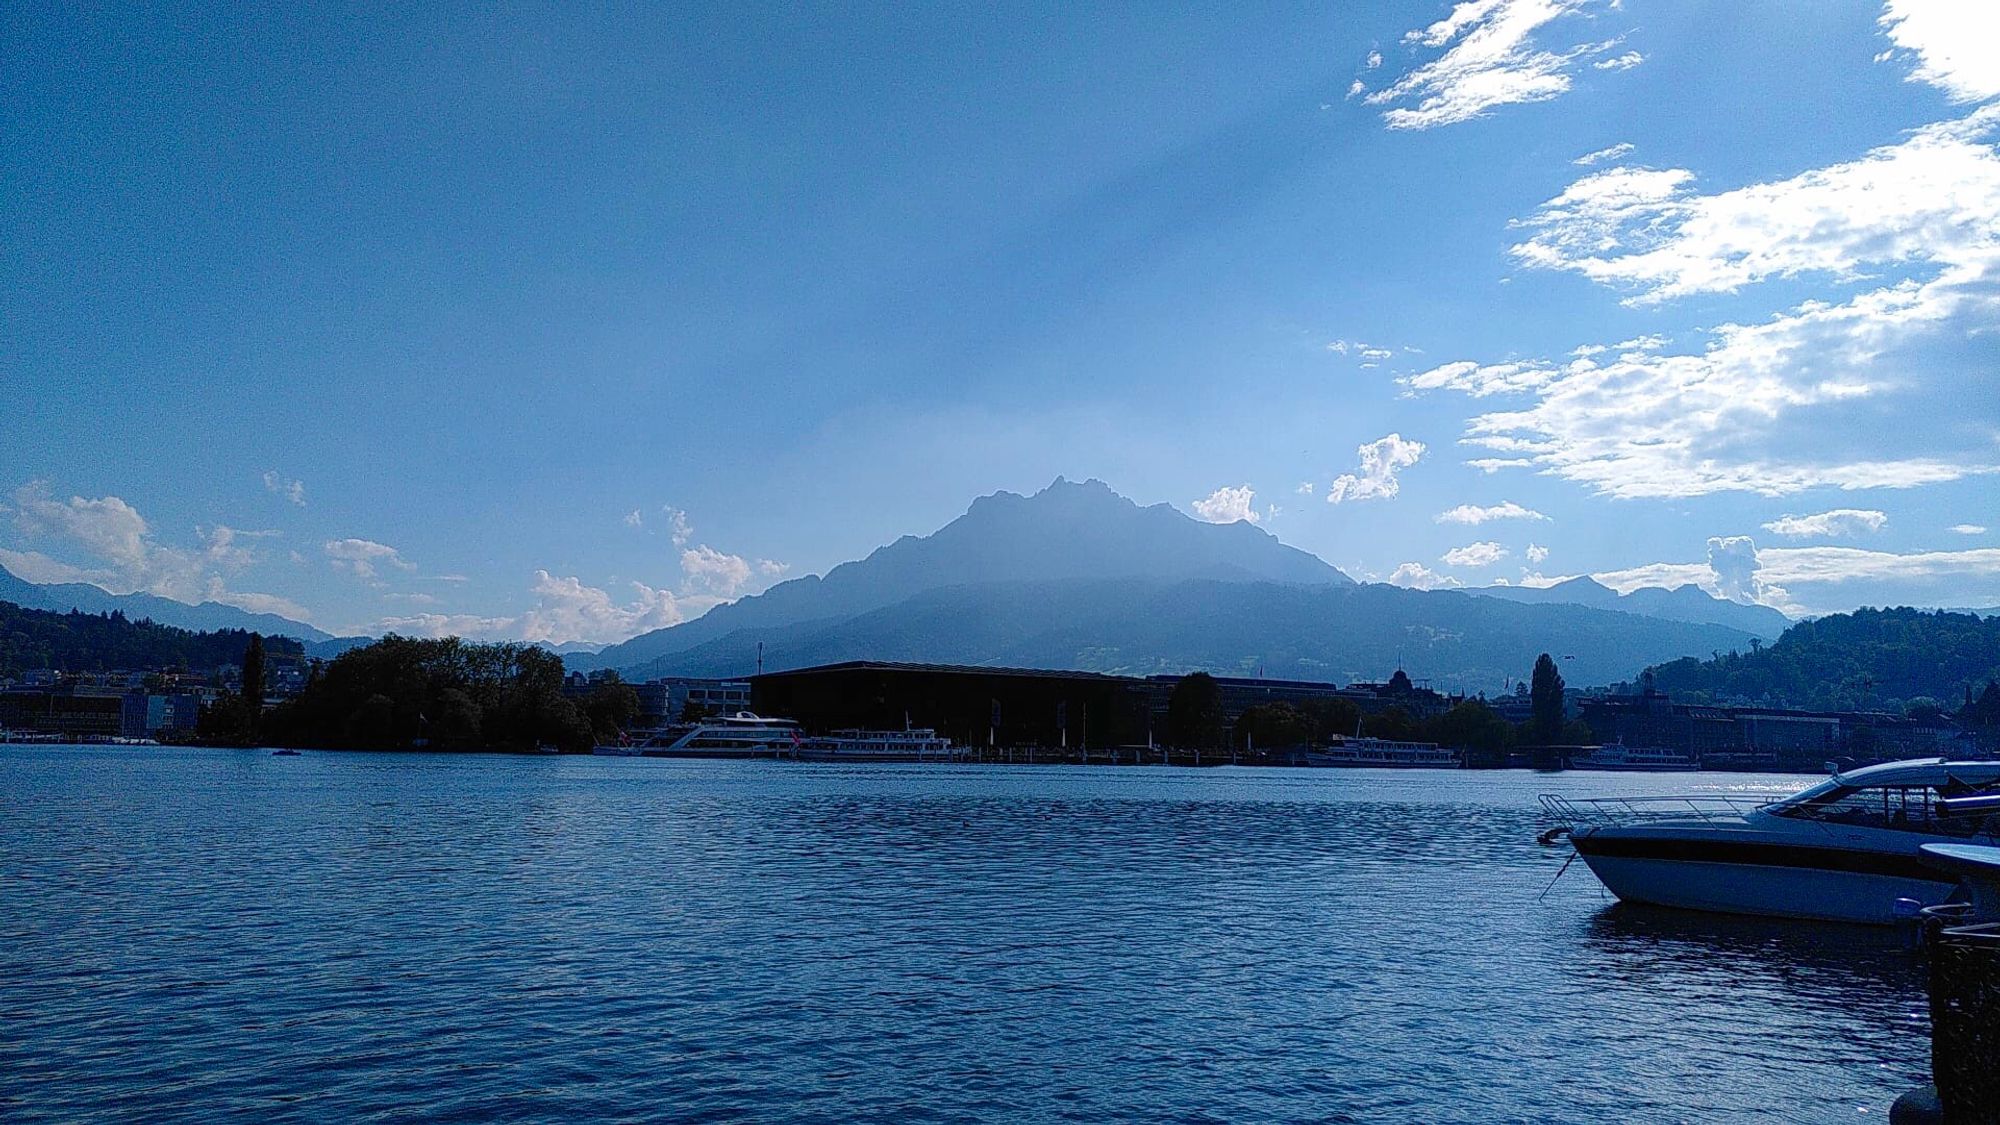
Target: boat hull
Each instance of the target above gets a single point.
(1761, 878)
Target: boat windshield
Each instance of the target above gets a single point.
(1906, 808)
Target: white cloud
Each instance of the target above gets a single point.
(1381, 460)
(1374, 60)
(1475, 554)
(1956, 44)
(1776, 576)
(129, 559)
(293, 490)
(634, 519)
(1305, 488)
(678, 521)
(771, 568)
(1626, 61)
(1967, 529)
(1933, 198)
(1505, 510)
(1536, 553)
(1228, 505)
(710, 571)
(567, 610)
(1355, 88)
(1493, 60)
(1840, 521)
(361, 557)
(1604, 154)
(1649, 424)
(1417, 576)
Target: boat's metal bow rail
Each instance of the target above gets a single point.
(1579, 811)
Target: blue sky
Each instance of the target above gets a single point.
(565, 325)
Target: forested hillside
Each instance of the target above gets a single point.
(1870, 658)
(91, 642)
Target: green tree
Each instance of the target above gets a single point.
(253, 685)
(1272, 725)
(1545, 701)
(1194, 712)
(611, 706)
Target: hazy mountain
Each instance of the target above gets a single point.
(1687, 603)
(1146, 626)
(1066, 532)
(206, 617)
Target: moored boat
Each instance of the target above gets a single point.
(1844, 850)
(920, 745)
(1633, 758)
(1383, 753)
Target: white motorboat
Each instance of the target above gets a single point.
(742, 735)
(1844, 850)
(920, 745)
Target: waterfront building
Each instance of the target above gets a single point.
(62, 712)
(1766, 737)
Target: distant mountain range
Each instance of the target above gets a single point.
(1688, 603)
(62, 597)
(1077, 576)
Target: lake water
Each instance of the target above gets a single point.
(204, 934)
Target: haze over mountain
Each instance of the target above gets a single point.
(1686, 603)
(1077, 576)
(1067, 531)
(205, 617)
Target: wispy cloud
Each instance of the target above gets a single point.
(1649, 423)
(1475, 515)
(1967, 528)
(363, 557)
(1826, 525)
(1492, 58)
(293, 490)
(1603, 155)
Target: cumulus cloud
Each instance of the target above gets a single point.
(363, 557)
(1840, 521)
(1780, 577)
(1733, 560)
(125, 555)
(1536, 553)
(293, 490)
(1381, 460)
(1953, 44)
(1492, 58)
(1604, 154)
(1626, 61)
(1417, 576)
(1474, 515)
(711, 571)
(1228, 505)
(1475, 554)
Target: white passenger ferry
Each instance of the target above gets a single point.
(742, 735)
(1382, 753)
(921, 745)
(1640, 758)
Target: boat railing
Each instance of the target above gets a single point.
(1574, 811)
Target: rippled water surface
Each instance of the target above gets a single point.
(200, 934)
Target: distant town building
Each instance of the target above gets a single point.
(1767, 737)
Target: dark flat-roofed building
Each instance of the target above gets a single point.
(972, 706)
